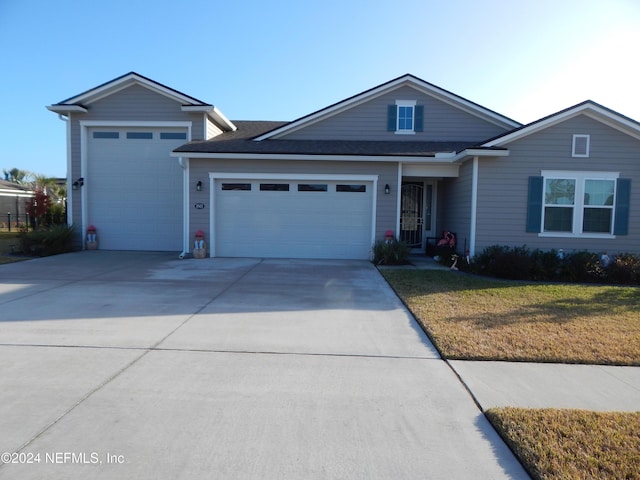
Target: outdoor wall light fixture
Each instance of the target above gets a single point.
(387, 189)
(78, 183)
(199, 186)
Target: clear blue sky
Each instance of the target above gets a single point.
(282, 59)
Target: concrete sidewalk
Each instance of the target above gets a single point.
(546, 385)
(129, 365)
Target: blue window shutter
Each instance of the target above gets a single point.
(392, 121)
(623, 200)
(534, 205)
(419, 118)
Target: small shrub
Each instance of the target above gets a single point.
(545, 265)
(504, 262)
(625, 269)
(516, 263)
(47, 241)
(390, 253)
(485, 262)
(583, 267)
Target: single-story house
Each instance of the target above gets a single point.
(149, 166)
(13, 199)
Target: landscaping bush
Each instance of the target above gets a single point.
(390, 253)
(47, 241)
(520, 263)
(545, 264)
(55, 215)
(583, 267)
(504, 262)
(625, 269)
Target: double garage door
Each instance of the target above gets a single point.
(308, 217)
(134, 188)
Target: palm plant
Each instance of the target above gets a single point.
(16, 175)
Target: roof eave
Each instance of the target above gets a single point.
(65, 109)
(479, 152)
(435, 158)
(213, 112)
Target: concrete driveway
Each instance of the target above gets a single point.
(129, 365)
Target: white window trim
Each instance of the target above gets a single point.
(573, 146)
(578, 207)
(406, 103)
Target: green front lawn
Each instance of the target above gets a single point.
(474, 318)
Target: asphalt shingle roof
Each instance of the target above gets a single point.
(5, 185)
(241, 141)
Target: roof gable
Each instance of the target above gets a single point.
(589, 108)
(79, 103)
(407, 80)
(124, 81)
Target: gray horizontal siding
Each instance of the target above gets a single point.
(503, 184)
(368, 121)
(200, 168)
(75, 173)
(455, 206)
(141, 104)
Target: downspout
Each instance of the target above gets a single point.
(474, 207)
(184, 164)
(398, 200)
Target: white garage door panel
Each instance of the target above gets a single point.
(293, 224)
(130, 210)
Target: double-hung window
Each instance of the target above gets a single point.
(559, 204)
(405, 117)
(597, 214)
(578, 203)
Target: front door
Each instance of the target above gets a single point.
(416, 213)
(412, 214)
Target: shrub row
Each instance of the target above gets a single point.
(47, 241)
(521, 263)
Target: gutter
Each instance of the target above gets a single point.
(446, 158)
(214, 113)
(184, 164)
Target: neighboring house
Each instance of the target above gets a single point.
(13, 198)
(149, 166)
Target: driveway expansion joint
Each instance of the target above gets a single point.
(213, 350)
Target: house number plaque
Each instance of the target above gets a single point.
(199, 206)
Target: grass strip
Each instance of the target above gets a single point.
(560, 444)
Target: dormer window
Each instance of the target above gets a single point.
(405, 117)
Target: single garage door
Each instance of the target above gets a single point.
(293, 218)
(134, 188)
